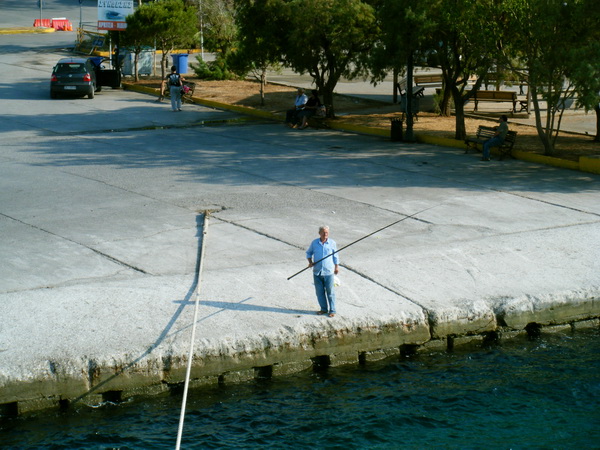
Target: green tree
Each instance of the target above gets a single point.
(135, 37)
(259, 41)
(328, 39)
(558, 42)
(585, 60)
(218, 32)
(220, 29)
(405, 31)
(166, 25)
(467, 36)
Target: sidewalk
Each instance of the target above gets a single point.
(574, 120)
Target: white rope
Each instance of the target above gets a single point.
(191, 354)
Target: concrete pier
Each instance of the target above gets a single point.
(101, 211)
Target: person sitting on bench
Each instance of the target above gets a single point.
(291, 116)
(310, 108)
(498, 138)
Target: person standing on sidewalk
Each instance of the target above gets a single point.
(323, 258)
(175, 82)
(498, 139)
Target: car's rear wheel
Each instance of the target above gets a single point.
(91, 93)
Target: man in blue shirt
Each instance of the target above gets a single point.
(324, 249)
(498, 139)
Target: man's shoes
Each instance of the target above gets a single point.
(485, 159)
(320, 313)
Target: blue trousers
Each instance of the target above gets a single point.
(325, 292)
(175, 97)
(493, 142)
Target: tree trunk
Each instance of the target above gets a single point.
(136, 58)
(263, 85)
(395, 90)
(459, 111)
(409, 137)
(597, 109)
(163, 65)
(445, 109)
(328, 101)
(544, 137)
(327, 90)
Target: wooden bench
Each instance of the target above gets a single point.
(319, 120)
(484, 134)
(513, 78)
(428, 79)
(418, 91)
(495, 96)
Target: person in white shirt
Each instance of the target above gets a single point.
(291, 116)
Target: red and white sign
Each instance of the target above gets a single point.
(112, 14)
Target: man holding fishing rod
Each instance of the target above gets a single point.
(323, 251)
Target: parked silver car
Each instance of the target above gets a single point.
(73, 76)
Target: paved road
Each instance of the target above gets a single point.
(101, 208)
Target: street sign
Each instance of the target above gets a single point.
(112, 14)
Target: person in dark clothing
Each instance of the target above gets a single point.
(310, 108)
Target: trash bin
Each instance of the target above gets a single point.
(180, 61)
(396, 133)
(144, 63)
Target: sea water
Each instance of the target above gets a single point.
(521, 393)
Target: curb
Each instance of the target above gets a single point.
(589, 164)
(23, 30)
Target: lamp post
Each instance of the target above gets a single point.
(80, 13)
(201, 29)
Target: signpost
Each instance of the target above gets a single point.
(112, 14)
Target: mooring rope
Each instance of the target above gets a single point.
(191, 353)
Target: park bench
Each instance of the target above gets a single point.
(495, 96)
(512, 78)
(319, 120)
(428, 79)
(418, 91)
(485, 133)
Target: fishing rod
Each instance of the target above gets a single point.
(364, 237)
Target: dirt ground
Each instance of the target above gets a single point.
(375, 114)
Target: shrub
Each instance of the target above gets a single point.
(213, 70)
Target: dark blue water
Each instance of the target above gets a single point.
(542, 393)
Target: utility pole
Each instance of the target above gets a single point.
(80, 14)
(201, 29)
